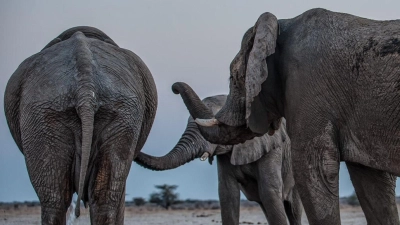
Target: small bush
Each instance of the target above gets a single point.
(165, 197)
(139, 201)
(353, 200)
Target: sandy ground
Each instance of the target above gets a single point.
(133, 215)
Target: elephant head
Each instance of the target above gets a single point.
(89, 32)
(247, 112)
(193, 145)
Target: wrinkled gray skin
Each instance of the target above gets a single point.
(335, 78)
(79, 111)
(260, 168)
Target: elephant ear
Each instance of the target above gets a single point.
(264, 44)
(252, 150)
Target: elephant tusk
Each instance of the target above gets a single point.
(206, 122)
(204, 156)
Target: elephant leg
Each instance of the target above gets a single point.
(270, 186)
(316, 172)
(49, 153)
(121, 209)
(108, 178)
(375, 190)
(229, 192)
(263, 209)
(293, 208)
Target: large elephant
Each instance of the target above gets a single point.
(80, 110)
(260, 168)
(335, 78)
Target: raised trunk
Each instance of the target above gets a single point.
(218, 134)
(196, 107)
(190, 146)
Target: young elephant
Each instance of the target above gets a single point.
(79, 111)
(260, 168)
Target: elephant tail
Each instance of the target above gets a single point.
(85, 106)
(87, 117)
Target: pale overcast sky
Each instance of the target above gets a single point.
(179, 40)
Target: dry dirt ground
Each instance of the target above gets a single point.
(133, 215)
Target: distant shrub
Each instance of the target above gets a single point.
(353, 200)
(155, 198)
(215, 206)
(165, 197)
(139, 201)
(191, 200)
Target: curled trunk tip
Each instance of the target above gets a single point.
(196, 107)
(176, 87)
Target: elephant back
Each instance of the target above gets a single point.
(90, 32)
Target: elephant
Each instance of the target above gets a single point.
(79, 111)
(260, 168)
(335, 78)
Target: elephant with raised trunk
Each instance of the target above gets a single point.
(260, 168)
(335, 77)
(80, 111)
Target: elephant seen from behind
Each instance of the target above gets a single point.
(260, 168)
(79, 111)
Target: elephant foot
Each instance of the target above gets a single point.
(103, 216)
(375, 190)
(51, 216)
(293, 208)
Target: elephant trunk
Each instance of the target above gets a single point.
(189, 147)
(198, 110)
(211, 129)
(196, 107)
